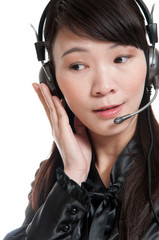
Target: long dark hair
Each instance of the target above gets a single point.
(116, 21)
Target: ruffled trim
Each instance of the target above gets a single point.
(72, 188)
(17, 234)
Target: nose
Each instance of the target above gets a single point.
(104, 82)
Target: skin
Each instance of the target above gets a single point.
(92, 74)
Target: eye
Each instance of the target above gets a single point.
(78, 66)
(121, 59)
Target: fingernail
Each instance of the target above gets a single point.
(35, 86)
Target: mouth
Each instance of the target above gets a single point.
(108, 111)
(105, 108)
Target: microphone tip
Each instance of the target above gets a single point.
(118, 120)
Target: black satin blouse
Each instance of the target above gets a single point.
(89, 212)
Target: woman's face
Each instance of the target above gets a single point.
(99, 80)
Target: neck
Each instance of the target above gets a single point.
(110, 145)
(107, 149)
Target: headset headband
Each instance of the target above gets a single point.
(151, 29)
(42, 21)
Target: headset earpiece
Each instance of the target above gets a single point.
(153, 64)
(47, 76)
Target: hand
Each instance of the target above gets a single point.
(75, 149)
(37, 89)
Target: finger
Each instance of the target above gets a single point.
(47, 96)
(41, 98)
(63, 120)
(61, 112)
(49, 101)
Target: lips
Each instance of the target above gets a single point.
(105, 108)
(108, 111)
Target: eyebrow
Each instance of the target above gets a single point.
(116, 45)
(77, 49)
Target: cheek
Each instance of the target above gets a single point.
(135, 86)
(72, 91)
(136, 83)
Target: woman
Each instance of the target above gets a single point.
(95, 185)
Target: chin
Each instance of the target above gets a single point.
(111, 129)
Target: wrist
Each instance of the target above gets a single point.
(77, 176)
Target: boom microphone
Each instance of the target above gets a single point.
(119, 120)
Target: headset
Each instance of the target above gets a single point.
(47, 75)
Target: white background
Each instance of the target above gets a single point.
(25, 134)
